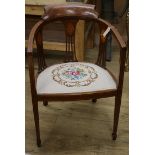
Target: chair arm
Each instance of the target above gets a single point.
(114, 32)
(118, 37)
(32, 36)
(30, 56)
(123, 48)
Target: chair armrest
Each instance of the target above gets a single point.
(30, 56)
(123, 48)
(118, 37)
(115, 33)
(32, 36)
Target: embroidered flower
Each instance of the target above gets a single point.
(74, 74)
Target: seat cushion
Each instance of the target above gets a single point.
(74, 77)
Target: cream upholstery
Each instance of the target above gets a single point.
(74, 77)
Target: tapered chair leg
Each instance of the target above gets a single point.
(45, 103)
(36, 120)
(116, 116)
(94, 100)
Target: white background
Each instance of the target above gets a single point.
(142, 77)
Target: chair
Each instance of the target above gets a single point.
(73, 80)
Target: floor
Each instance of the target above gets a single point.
(79, 127)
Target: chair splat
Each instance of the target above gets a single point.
(70, 27)
(101, 61)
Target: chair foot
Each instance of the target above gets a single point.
(45, 103)
(39, 143)
(114, 136)
(127, 68)
(116, 116)
(94, 100)
(36, 120)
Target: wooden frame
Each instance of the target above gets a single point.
(79, 12)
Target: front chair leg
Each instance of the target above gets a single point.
(116, 116)
(36, 120)
(45, 103)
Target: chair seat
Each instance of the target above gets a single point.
(74, 77)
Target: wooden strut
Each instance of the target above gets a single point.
(101, 61)
(70, 27)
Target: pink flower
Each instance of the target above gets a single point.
(73, 73)
(78, 73)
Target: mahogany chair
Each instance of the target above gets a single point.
(73, 80)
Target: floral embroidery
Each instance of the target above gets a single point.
(74, 74)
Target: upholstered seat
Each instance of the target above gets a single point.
(74, 77)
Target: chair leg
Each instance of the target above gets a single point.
(36, 120)
(116, 116)
(45, 103)
(94, 100)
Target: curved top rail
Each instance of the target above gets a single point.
(84, 11)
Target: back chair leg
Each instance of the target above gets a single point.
(45, 103)
(116, 116)
(36, 120)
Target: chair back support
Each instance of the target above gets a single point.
(69, 15)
